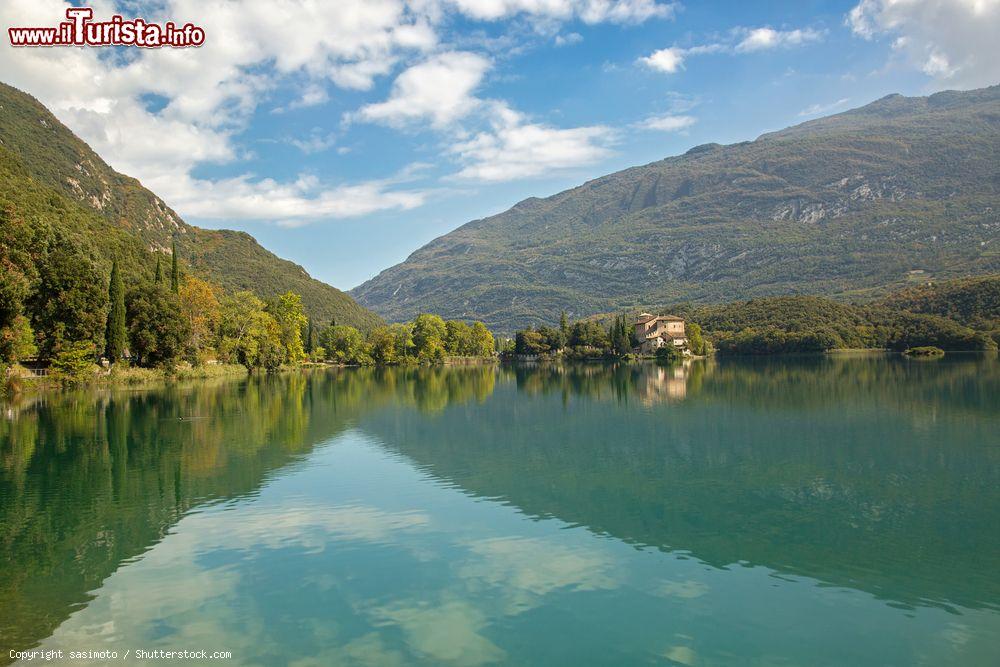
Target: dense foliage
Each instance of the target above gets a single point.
(581, 340)
(157, 328)
(973, 302)
(962, 314)
(815, 324)
(428, 339)
(59, 304)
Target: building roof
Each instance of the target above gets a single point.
(646, 317)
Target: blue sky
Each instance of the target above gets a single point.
(346, 135)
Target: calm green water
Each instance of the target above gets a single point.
(836, 511)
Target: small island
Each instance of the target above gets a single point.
(925, 351)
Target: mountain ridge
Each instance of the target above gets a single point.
(847, 205)
(54, 157)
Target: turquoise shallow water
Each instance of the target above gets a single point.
(815, 511)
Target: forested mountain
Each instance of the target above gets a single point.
(847, 206)
(52, 183)
(973, 302)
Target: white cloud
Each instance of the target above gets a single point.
(211, 94)
(667, 123)
(514, 148)
(588, 11)
(819, 109)
(568, 39)
(316, 141)
(255, 49)
(952, 41)
(739, 41)
(292, 204)
(760, 39)
(312, 95)
(667, 60)
(439, 89)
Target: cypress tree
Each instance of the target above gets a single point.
(159, 270)
(309, 337)
(175, 279)
(620, 342)
(115, 333)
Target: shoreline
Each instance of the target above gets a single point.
(25, 383)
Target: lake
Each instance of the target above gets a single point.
(838, 510)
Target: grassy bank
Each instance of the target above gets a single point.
(19, 378)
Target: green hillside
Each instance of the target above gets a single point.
(847, 206)
(44, 165)
(974, 302)
(960, 314)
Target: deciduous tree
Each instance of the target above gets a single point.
(158, 331)
(201, 309)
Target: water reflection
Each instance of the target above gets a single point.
(877, 476)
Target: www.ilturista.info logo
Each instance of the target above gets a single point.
(80, 30)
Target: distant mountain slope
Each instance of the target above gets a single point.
(973, 302)
(844, 205)
(42, 149)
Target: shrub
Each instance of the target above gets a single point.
(74, 363)
(668, 354)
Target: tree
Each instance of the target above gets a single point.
(158, 331)
(18, 270)
(288, 312)
(175, 278)
(270, 352)
(530, 341)
(668, 354)
(115, 337)
(74, 362)
(564, 325)
(588, 334)
(402, 337)
(458, 338)
(483, 343)
(382, 344)
(696, 342)
(429, 333)
(201, 309)
(159, 270)
(553, 338)
(310, 342)
(17, 341)
(621, 341)
(248, 334)
(345, 345)
(69, 302)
